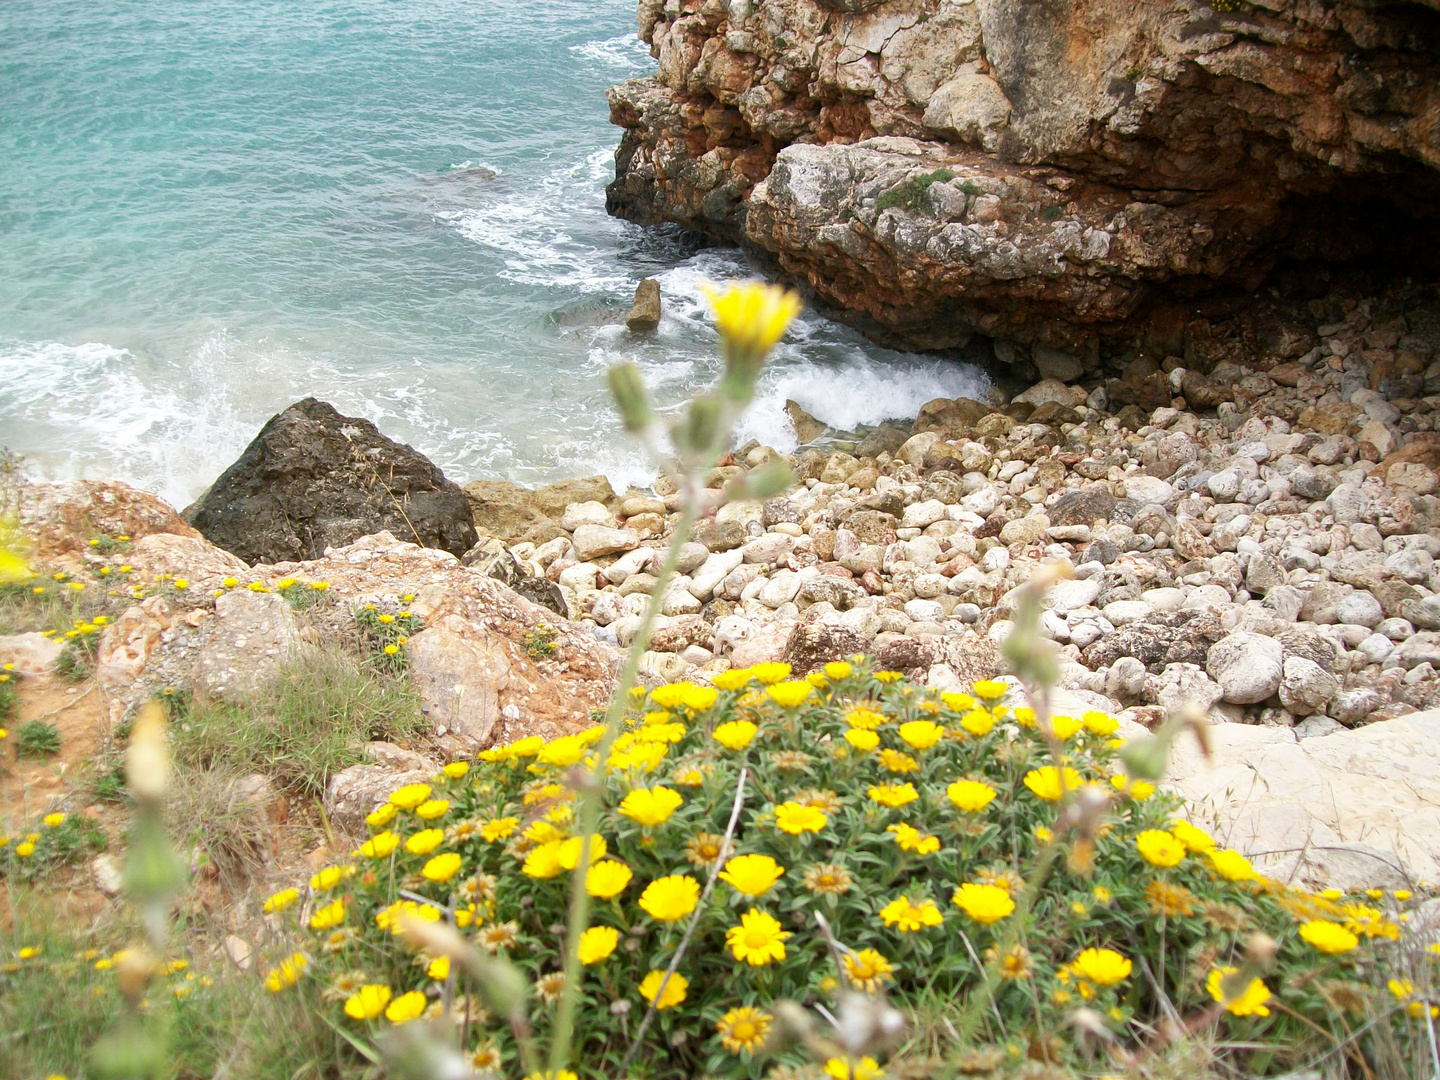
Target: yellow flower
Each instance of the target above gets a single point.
(391, 649)
(862, 740)
(499, 828)
(983, 903)
(868, 971)
(1099, 723)
(836, 670)
(864, 719)
(1050, 784)
(442, 867)
(568, 853)
(393, 917)
(52, 821)
(744, 1030)
(543, 861)
(406, 1007)
(888, 677)
(1249, 1001)
(597, 943)
(1231, 865)
(789, 694)
(675, 988)
(1159, 848)
(425, 841)
(897, 761)
(733, 679)
(752, 875)
(736, 734)
(1196, 841)
(758, 939)
(1328, 937)
(562, 752)
(989, 689)
(286, 973)
(1103, 967)
(329, 877)
(913, 840)
(651, 806)
(893, 795)
(410, 796)
(978, 722)
(382, 815)
(607, 880)
(431, 809)
(867, 1068)
(955, 702)
(907, 917)
(793, 818)
(25, 849)
(921, 734)
(970, 796)
(770, 672)
(668, 899)
(1062, 727)
(329, 916)
(280, 901)
(368, 1002)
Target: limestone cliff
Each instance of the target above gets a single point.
(1034, 169)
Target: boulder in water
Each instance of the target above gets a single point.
(645, 314)
(314, 479)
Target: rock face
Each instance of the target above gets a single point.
(246, 642)
(1033, 171)
(314, 479)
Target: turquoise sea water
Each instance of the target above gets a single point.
(211, 209)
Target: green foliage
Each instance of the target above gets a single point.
(910, 196)
(37, 738)
(540, 641)
(9, 697)
(58, 840)
(65, 990)
(315, 720)
(947, 852)
(301, 596)
(384, 634)
(77, 658)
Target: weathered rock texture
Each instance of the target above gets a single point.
(314, 479)
(1032, 170)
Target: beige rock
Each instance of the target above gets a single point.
(969, 108)
(460, 680)
(250, 637)
(1354, 809)
(32, 654)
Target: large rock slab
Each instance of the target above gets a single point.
(251, 636)
(1356, 809)
(314, 479)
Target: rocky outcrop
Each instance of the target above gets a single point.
(1036, 171)
(314, 479)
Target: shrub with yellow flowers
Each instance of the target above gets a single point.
(57, 839)
(385, 630)
(955, 846)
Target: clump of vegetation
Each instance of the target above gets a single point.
(58, 839)
(37, 739)
(315, 720)
(384, 634)
(77, 657)
(910, 195)
(844, 838)
(302, 596)
(9, 695)
(540, 641)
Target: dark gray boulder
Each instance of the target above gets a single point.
(314, 479)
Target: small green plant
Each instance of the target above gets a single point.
(910, 195)
(105, 544)
(36, 739)
(77, 658)
(385, 634)
(9, 695)
(1052, 213)
(540, 641)
(109, 784)
(302, 596)
(59, 839)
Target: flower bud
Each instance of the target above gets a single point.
(627, 387)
